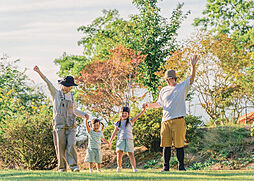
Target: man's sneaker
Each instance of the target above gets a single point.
(98, 170)
(75, 170)
(134, 170)
(118, 169)
(90, 170)
(61, 170)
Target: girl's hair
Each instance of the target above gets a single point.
(94, 121)
(124, 109)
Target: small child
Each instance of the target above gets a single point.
(94, 154)
(125, 137)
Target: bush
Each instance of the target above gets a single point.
(192, 124)
(226, 142)
(27, 141)
(146, 130)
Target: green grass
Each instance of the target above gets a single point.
(126, 174)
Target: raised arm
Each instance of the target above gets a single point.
(136, 117)
(193, 64)
(51, 88)
(87, 125)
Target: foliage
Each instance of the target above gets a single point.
(231, 17)
(27, 140)
(71, 64)
(146, 31)
(229, 147)
(192, 123)
(110, 83)
(26, 132)
(146, 129)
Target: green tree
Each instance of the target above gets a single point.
(229, 17)
(14, 83)
(146, 31)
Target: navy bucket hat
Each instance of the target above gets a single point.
(68, 81)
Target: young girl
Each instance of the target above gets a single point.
(125, 137)
(94, 154)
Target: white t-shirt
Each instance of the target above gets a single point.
(172, 100)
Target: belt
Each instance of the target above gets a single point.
(177, 117)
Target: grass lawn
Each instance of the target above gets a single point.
(126, 174)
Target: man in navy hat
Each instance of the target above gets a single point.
(64, 121)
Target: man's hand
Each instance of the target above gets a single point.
(36, 68)
(145, 105)
(194, 60)
(109, 146)
(86, 116)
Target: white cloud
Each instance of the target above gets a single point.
(38, 5)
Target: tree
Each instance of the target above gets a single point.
(109, 83)
(233, 17)
(14, 83)
(146, 31)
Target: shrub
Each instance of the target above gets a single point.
(146, 130)
(27, 141)
(193, 123)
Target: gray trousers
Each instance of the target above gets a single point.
(65, 141)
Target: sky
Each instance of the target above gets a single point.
(38, 31)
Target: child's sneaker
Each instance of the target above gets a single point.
(90, 170)
(118, 169)
(98, 170)
(135, 170)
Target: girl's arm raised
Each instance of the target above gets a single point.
(136, 117)
(87, 125)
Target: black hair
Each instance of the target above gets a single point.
(96, 121)
(124, 109)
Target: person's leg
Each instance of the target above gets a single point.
(90, 167)
(166, 156)
(180, 132)
(166, 142)
(119, 159)
(71, 150)
(98, 165)
(60, 146)
(132, 160)
(180, 157)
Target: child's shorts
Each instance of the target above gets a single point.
(173, 133)
(93, 155)
(125, 145)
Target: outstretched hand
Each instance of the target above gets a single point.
(145, 105)
(194, 60)
(86, 116)
(36, 68)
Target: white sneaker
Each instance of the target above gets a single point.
(75, 170)
(99, 170)
(90, 170)
(118, 169)
(135, 170)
